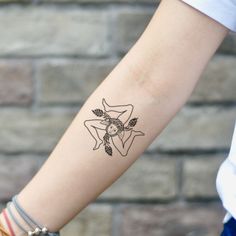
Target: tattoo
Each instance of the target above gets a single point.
(114, 126)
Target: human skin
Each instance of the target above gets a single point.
(156, 77)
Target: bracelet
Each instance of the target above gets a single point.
(3, 231)
(25, 216)
(8, 222)
(14, 219)
(39, 229)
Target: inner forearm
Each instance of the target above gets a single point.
(155, 78)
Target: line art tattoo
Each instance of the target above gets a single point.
(115, 125)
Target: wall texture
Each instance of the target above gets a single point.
(53, 54)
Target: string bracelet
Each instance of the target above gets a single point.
(15, 219)
(38, 229)
(8, 222)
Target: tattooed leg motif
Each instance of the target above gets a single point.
(125, 110)
(115, 127)
(92, 126)
(124, 146)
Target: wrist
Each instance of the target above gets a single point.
(3, 223)
(15, 228)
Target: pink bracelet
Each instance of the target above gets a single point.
(8, 223)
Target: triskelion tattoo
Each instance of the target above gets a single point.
(118, 127)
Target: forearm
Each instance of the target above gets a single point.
(156, 76)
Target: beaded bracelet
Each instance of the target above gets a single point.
(38, 229)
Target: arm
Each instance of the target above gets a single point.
(156, 76)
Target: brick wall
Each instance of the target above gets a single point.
(53, 54)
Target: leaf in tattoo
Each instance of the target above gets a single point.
(108, 150)
(118, 128)
(106, 138)
(133, 122)
(98, 112)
